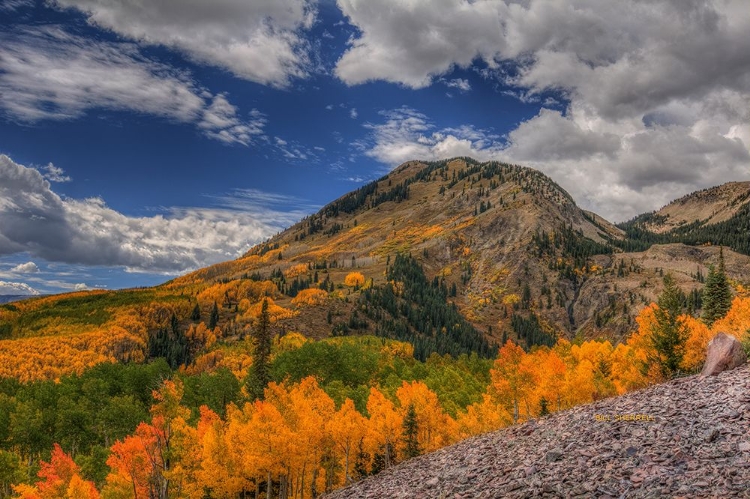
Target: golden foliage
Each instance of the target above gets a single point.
(310, 297)
(354, 279)
(296, 270)
(52, 357)
(275, 312)
(234, 292)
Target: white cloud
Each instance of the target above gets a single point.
(220, 122)
(657, 94)
(460, 83)
(25, 268)
(17, 288)
(55, 174)
(412, 42)
(35, 220)
(408, 134)
(49, 74)
(80, 286)
(259, 40)
(353, 113)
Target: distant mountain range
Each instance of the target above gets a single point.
(10, 298)
(495, 252)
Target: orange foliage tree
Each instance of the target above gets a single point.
(354, 279)
(60, 480)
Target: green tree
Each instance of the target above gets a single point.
(214, 319)
(195, 316)
(717, 294)
(259, 372)
(411, 431)
(669, 334)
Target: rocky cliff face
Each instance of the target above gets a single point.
(686, 438)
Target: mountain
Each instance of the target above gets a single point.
(453, 256)
(719, 215)
(518, 257)
(10, 298)
(702, 208)
(698, 447)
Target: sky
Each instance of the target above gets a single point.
(141, 140)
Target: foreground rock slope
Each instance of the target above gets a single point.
(686, 438)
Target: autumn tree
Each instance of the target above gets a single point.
(347, 429)
(259, 375)
(60, 479)
(354, 279)
(512, 381)
(717, 294)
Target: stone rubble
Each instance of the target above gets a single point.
(688, 438)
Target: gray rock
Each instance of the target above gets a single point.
(554, 455)
(724, 353)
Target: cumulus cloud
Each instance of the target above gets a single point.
(49, 74)
(25, 268)
(260, 40)
(412, 42)
(656, 95)
(407, 134)
(17, 288)
(35, 220)
(55, 174)
(353, 113)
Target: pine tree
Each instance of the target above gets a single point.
(214, 319)
(259, 377)
(196, 315)
(411, 430)
(717, 294)
(669, 334)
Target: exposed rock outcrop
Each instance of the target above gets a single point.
(686, 438)
(724, 353)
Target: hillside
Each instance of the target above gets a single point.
(719, 216)
(708, 207)
(525, 260)
(693, 443)
(497, 252)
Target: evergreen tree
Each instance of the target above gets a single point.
(195, 316)
(214, 319)
(543, 407)
(669, 334)
(717, 294)
(411, 430)
(259, 372)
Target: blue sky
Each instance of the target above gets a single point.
(142, 140)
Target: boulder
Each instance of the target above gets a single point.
(724, 352)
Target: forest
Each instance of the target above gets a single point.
(328, 412)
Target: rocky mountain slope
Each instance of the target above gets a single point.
(523, 258)
(498, 252)
(686, 438)
(708, 207)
